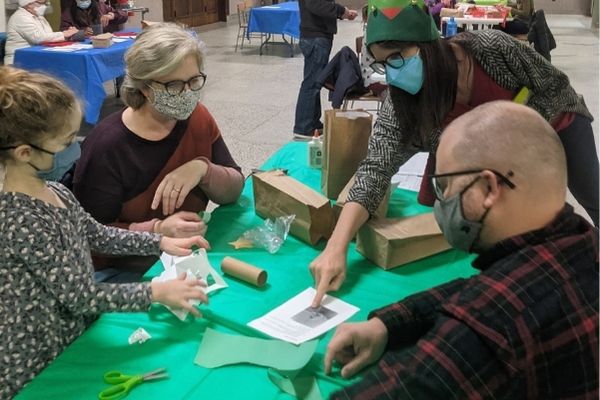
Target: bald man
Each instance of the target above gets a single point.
(527, 325)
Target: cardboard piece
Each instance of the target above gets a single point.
(345, 144)
(451, 12)
(102, 41)
(276, 194)
(391, 243)
(381, 211)
(244, 271)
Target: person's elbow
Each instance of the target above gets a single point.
(233, 192)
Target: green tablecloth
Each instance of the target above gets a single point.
(77, 373)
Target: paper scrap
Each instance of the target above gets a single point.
(296, 321)
(242, 243)
(139, 336)
(218, 349)
(195, 265)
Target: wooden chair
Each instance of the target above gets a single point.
(242, 11)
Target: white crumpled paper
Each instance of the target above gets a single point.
(195, 265)
(139, 336)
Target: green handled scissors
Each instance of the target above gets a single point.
(122, 384)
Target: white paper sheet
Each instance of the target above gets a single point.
(410, 175)
(71, 47)
(195, 265)
(295, 321)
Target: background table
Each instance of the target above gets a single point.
(281, 19)
(77, 373)
(84, 71)
(468, 23)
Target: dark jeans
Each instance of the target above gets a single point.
(308, 109)
(582, 164)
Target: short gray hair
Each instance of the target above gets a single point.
(157, 51)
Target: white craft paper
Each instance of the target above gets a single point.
(139, 336)
(410, 175)
(295, 321)
(195, 265)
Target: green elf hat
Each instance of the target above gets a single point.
(401, 20)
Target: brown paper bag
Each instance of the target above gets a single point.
(276, 194)
(381, 212)
(391, 243)
(345, 143)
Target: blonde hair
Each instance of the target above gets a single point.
(158, 50)
(33, 107)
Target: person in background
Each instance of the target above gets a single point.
(432, 81)
(527, 325)
(28, 27)
(318, 24)
(154, 166)
(435, 7)
(85, 14)
(48, 296)
(521, 10)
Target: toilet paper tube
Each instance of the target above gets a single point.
(244, 271)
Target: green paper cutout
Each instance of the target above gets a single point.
(303, 388)
(218, 349)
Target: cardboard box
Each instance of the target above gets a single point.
(102, 41)
(391, 243)
(276, 194)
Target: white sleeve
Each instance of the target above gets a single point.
(36, 31)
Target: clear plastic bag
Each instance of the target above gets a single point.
(270, 235)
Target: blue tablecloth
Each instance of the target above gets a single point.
(84, 71)
(281, 19)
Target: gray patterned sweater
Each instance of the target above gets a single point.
(48, 296)
(510, 63)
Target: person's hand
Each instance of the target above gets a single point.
(349, 14)
(182, 246)
(446, 3)
(175, 187)
(182, 224)
(89, 31)
(355, 346)
(106, 18)
(328, 271)
(70, 32)
(177, 293)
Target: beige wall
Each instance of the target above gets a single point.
(2, 17)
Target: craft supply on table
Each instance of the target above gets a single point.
(139, 336)
(122, 384)
(296, 321)
(244, 271)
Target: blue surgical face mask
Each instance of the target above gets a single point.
(61, 163)
(405, 74)
(85, 4)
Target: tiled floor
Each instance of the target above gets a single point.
(253, 97)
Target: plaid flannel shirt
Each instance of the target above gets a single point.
(525, 327)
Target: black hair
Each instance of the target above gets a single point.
(426, 110)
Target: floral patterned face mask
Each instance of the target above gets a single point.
(179, 106)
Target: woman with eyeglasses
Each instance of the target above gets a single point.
(28, 27)
(155, 165)
(431, 82)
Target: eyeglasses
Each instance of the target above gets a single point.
(174, 88)
(440, 182)
(393, 60)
